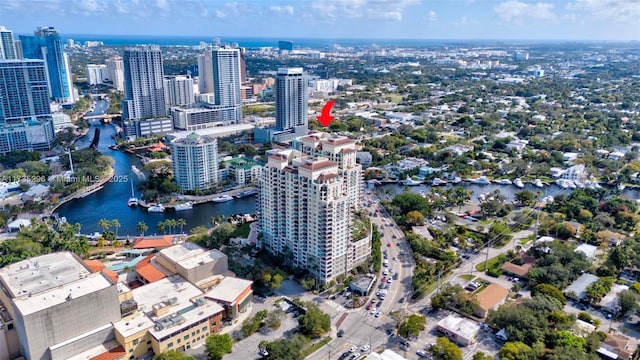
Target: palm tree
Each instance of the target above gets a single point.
(162, 227)
(117, 243)
(116, 224)
(142, 227)
(77, 227)
(181, 222)
(104, 224)
(171, 223)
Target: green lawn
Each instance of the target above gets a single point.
(491, 263)
(242, 231)
(311, 349)
(467, 277)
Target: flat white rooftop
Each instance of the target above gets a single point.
(93, 282)
(189, 255)
(460, 326)
(41, 273)
(174, 292)
(229, 289)
(216, 131)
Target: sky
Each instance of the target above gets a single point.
(353, 19)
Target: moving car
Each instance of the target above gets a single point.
(422, 353)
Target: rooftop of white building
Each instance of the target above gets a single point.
(216, 131)
(229, 289)
(189, 255)
(461, 326)
(49, 280)
(41, 273)
(174, 292)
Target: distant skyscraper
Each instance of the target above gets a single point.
(243, 67)
(226, 76)
(285, 45)
(219, 73)
(115, 70)
(7, 45)
(291, 99)
(25, 115)
(306, 203)
(195, 162)
(178, 90)
(143, 83)
(96, 74)
(205, 73)
(47, 45)
(18, 45)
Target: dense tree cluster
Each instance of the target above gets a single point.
(42, 238)
(557, 264)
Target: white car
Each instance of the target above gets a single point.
(353, 349)
(385, 272)
(364, 348)
(264, 352)
(355, 356)
(373, 311)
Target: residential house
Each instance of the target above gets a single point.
(490, 298)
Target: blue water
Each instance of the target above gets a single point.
(111, 202)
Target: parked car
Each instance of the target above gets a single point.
(422, 353)
(340, 333)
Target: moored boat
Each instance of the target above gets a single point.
(221, 199)
(157, 208)
(184, 206)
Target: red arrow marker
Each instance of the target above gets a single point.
(325, 118)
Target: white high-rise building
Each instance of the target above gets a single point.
(7, 44)
(144, 91)
(96, 74)
(115, 70)
(307, 199)
(178, 90)
(291, 99)
(195, 162)
(220, 74)
(144, 83)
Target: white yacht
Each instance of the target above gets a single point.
(410, 182)
(518, 183)
(438, 182)
(621, 187)
(482, 180)
(538, 183)
(504, 182)
(157, 208)
(184, 206)
(222, 198)
(456, 179)
(133, 200)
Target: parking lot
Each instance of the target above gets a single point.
(486, 340)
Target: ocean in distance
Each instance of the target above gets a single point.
(314, 43)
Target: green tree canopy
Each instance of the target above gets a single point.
(217, 345)
(314, 323)
(444, 349)
(412, 326)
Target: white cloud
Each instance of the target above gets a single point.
(286, 9)
(516, 11)
(433, 16)
(390, 10)
(162, 4)
(617, 11)
(88, 7)
(220, 14)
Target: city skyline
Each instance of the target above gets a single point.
(353, 19)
